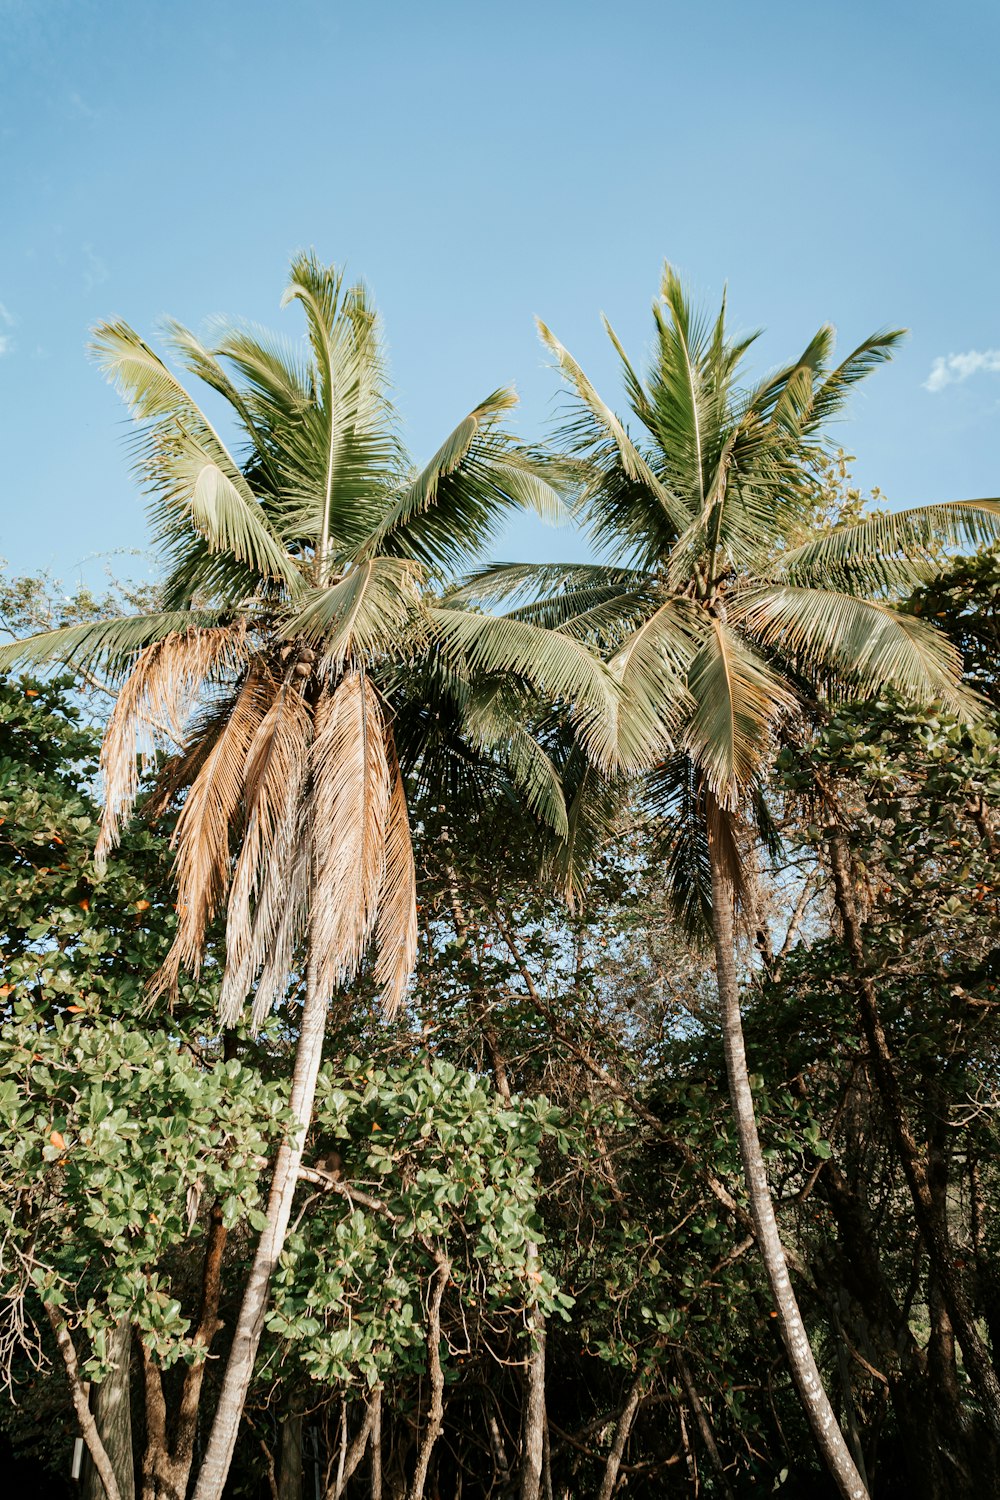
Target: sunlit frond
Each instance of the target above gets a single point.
(739, 699)
(363, 614)
(634, 466)
(876, 553)
(156, 701)
(396, 933)
(351, 790)
(111, 645)
(551, 664)
(866, 644)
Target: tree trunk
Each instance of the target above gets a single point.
(610, 1477)
(250, 1324)
(111, 1403)
(533, 1442)
(826, 1430)
(435, 1413)
(930, 1220)
(290, 1466)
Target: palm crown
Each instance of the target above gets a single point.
(294, 613)
(720, 605)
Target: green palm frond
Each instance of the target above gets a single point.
(447, 513)
(830, 395)
(362, 615)
(885, 550)
(633, 465)
(550, 664)
(495, 725)
(195, 483)
(110, 644)
(738, 699)
(864, 643)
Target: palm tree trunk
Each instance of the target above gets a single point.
(250, 1324)
(826, 1430)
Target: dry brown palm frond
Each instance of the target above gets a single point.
(274, 786)
(180, 770)
(164, 685)
(396, 933)
(349, 805)
(283, 911)
(209, 815)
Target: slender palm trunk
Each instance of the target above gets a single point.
(826, 1430)
(250, 1324)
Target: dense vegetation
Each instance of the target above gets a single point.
(519, 1255)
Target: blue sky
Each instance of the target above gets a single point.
(478, 165)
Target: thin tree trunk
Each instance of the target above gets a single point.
(624, 1427)
(704, 1426)
(435, 1414)
(112, 1406)
(805, 1374)
(290, 1462)
(533, 1442)
(85, 1417)
(250, 1324)
(930, 1220)
(376, 1445)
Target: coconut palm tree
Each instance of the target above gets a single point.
(721, 611)
(301, 595)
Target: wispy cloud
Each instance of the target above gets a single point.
(95, 270)
(954, 368)
(7, 320)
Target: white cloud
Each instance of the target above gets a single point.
(6, 344)
(7, 320)
(958, 367)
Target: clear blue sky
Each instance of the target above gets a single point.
(480, 164)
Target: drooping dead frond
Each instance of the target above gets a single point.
(349, 806)
(274, 785)
(396, 934)
(157, 699)
(209, 816)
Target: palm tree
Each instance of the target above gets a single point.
(722, 610)
(298, 600)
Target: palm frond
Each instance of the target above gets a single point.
(396, 932)
(551, 664)
(111, 644)
(867, 645)
(495, 726)
(634, 466)
(209, 819)
(651, 671)
(351, 790)
(193, 479)
(448, 510)
(738, 699)
(884, 550)
(162, 689)
(274, 790)
(363, 614)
